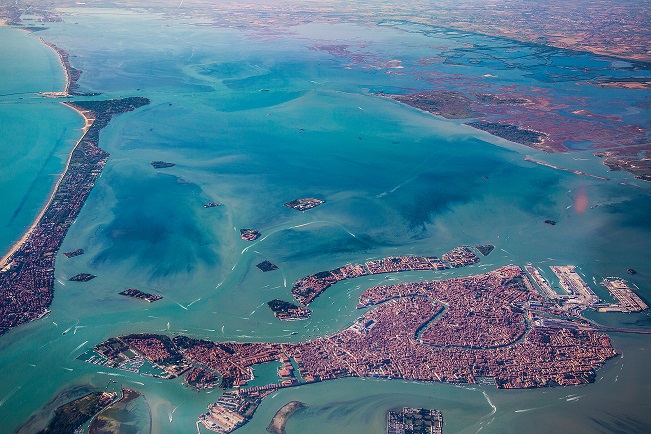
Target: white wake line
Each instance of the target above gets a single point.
(78, 347)
(393, 190)
(182, 307)
(246, 249)
(280, 230)
(15, 389)
(112, 374)
(271, 233)
(490, 403)
(417, 170)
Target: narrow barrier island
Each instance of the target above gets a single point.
(27, 271)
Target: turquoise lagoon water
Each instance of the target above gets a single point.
(37, 135)
(396, 181)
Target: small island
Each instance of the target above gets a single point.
(485, 249)
(71, 416)
(304, 204)
(513, 133)
(265, 266)
(306, 289)
(109, 420)
(277, 425)
(249, 234)
(134, 293)
(74, 253)
(415, 421)
(161, 164)
(82, 277)
(27, 270)
(286, 311)
(449, 104)
(576, 172)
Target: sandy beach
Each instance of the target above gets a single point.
(88, 121)
(66, 90)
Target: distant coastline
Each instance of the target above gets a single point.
(577, 172)
(54, 48)
(72, 74)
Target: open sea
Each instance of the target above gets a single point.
(395, 180)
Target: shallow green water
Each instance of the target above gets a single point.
(396, 181)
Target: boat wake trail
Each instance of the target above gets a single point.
(490, 403)
(78, 347)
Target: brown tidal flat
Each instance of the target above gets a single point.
(277, 425)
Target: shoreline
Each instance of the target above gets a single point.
(27, 269)
(88, 122)
(28, 278)
(638, 167)
(278, 422)
(65, 66)
(466, 122)
(576, 172)
(5, 261)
